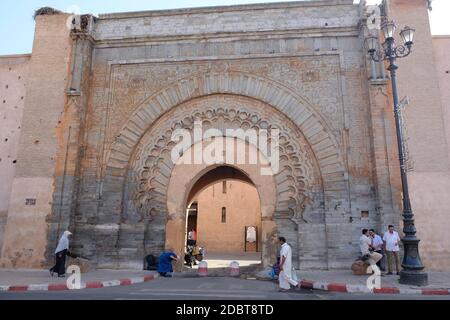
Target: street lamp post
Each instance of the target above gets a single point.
(412, 268)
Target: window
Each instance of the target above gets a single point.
(30, 202)
(224, 187)
(224, 215)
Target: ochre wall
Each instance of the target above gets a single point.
(25, 236)
(441, 49)
(422, 78)
(242, 205)
(431, 189)
(13, 73)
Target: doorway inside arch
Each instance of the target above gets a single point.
(223, 216)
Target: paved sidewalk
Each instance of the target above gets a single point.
(37, 279)
(335, 280)
(223, 259)
(345, 281)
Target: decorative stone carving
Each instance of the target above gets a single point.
(134, 84)
(325, 147)
(81, 26)
(151, 166)
(140, 149)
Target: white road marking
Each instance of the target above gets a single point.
(207, 285)
(236, 287)
(192, 290)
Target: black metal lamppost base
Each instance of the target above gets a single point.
(412, 272)
(413, 278)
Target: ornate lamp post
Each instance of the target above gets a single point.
(412, 268)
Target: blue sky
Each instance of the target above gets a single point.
(17, 24)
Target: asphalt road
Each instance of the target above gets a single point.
(220, 288)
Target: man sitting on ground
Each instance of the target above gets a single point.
(166, 258)
(365, 245)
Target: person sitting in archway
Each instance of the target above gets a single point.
(165, 267)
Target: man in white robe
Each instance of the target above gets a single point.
(285, 277)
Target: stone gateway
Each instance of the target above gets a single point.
(104, 98)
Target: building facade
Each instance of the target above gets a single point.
(103, 99)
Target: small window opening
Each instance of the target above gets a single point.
(224, 215)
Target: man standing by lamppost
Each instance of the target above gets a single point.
(391, 242)
(412, 268)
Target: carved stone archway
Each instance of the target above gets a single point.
(297, 109)
(139, 160)
(185, 176)
(298, 177)
(298, 184)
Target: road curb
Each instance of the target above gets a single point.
(86, 285)
(355, 288)
(304, 284)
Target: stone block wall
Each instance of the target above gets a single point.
(25, 236)
(13, 75)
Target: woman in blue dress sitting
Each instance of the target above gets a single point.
(166, 258)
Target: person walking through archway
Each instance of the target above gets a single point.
(192, 237)
(286, 276)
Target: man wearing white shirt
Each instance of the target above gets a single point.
(391, 247)
(365, 245)
(377, 245)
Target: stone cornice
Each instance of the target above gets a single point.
(441, 36)
(219, 9)
(15, 56)
(233, 36)
(225, 57)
